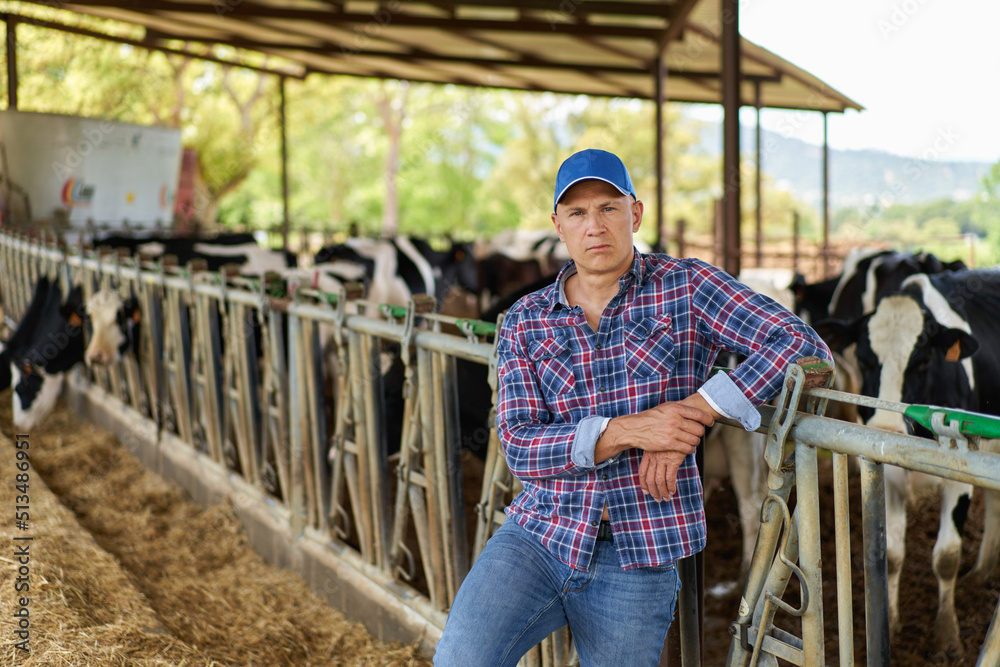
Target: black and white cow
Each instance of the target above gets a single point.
(397, 268)
(114, 326)
(936, 342)
(46, 343)
(234, 248)
(867, 276)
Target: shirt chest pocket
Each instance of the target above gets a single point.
(649, 346)
(553, 359)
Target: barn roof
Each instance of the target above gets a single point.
(593, 47)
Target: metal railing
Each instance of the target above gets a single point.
(789, 542)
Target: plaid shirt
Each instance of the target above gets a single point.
(657, 341)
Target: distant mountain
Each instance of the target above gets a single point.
(857, 177)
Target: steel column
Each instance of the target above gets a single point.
(282, 116)
(842, 529)
(12, 80)
(659, 76)
(758, 208)
(731, 80)
(876, 569)
(826, 197)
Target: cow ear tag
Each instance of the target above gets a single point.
(954, 352)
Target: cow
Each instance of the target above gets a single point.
(934, 342)
(114, 327)
(398, 268)
(217, 251)
(867, 275)
(500, 275)
(46, 343)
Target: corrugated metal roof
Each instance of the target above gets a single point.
(593, 47)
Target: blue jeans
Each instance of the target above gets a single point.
(517, 593)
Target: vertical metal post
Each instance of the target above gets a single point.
(681, 247)
(658, 80)
(757, 181)
(795, 240)
(284, 167)
(826, 198)
(842, 521)
(810, 552)
(731, 136)
(990, 652)
(11, 61)
(876, 568)
(296, 494)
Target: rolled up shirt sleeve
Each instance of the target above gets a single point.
(588, 432)
(727, 399)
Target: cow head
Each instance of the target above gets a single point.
(904, 354)
(35, 394)
(115, 327)
(37, 368)
(460, 269)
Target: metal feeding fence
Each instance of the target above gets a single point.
(288, 392)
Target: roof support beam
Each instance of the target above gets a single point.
(282, 117)
(659, 101)
(413, 53)
(51, 25)
(730, 66)
(826, 197)
(678, 20)
(250, 10)
(588, 7)
(11, 21)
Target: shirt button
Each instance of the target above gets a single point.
(601, 388)
(593, 523)
(598, 346)
(604, 477)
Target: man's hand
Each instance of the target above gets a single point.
(658, 474)
(667, 433)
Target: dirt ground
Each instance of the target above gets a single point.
(125, 570)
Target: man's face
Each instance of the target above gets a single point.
(596, 222)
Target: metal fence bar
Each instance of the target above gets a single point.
(876, 572)
(810, 553)
(842, 534)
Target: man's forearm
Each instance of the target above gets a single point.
(654, 429)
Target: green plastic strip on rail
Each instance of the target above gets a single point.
(395, 312)
(970, 423)
(477, 327)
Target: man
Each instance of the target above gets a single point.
(604, 397)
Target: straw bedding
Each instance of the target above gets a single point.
(126, 570)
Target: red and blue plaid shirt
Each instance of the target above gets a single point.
(656, 342)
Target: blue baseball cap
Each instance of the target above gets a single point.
(592, 164)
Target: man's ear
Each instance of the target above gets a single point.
(637, 209)
(555, 221)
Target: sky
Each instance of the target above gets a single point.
(926, 71)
